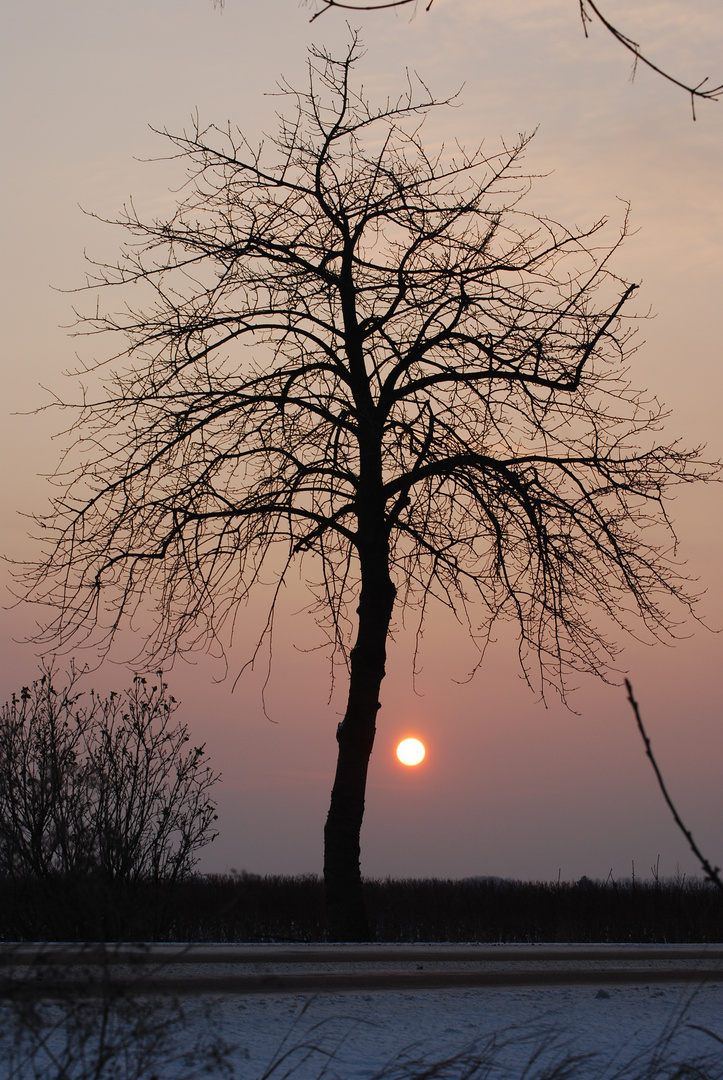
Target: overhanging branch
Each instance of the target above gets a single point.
(698, 91)
(711, 872)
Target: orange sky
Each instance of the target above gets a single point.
(508, 787)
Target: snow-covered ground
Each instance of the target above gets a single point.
(357, 1035)
(640, 1029)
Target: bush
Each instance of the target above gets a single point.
(102, 788)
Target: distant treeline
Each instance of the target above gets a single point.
(251, 908)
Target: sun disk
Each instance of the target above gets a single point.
(410, 751)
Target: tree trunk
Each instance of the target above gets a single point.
(345, 909)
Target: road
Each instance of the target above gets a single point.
(255, 969)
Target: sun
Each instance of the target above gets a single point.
(410, 751)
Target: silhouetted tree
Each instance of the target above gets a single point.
(105, 787)
(352, 354)
(589, 11)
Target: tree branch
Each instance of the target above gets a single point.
(712, 873)
(696, 92)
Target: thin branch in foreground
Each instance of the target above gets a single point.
(365, 7)
(712, 873)
(710, 94)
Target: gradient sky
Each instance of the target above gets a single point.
(509, 787)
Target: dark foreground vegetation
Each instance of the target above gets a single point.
(251, 908)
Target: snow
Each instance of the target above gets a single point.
(357, 1035)
(643, 1011)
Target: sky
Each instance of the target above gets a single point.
(510, 786)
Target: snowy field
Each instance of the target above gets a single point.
(637, 1030)
(518, 1032)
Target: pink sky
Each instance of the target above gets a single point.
(508, 787)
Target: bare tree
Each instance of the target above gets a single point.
(94, 786)
(348, 353)
(589, 11)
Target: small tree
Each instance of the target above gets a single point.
(353, 354)
(106, 787)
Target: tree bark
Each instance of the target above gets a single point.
(345, 909)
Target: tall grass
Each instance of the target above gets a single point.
(107, 1032)
(58, 1023)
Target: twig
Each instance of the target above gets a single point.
(710, 94)
(365, 7)
(712, 873)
